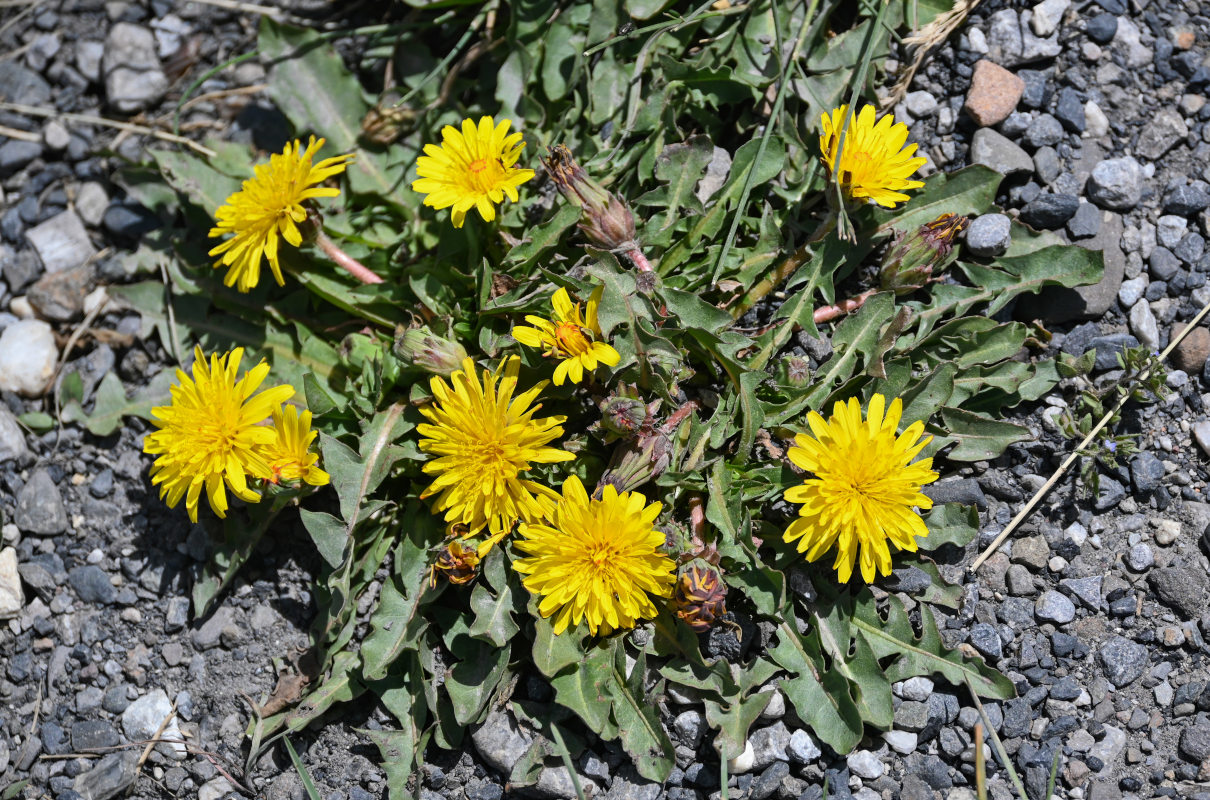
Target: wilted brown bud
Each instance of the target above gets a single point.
(636, 463)
(700, 596)
(383, 124)
(425, 349)
(913, 259)
(605, 219)
(458, 564)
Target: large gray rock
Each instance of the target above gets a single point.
(1116, 184)
(1181, 588)
(500, 741)
(40, 506)
(143, 718)
(996, 152)
(110, 777)
(134, 79)
(62, 242)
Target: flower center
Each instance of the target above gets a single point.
(483, 174)
(571, 339)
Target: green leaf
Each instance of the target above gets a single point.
(691, 311)
(979, 438)
(493, 613)
(950, 523)
(732, 721)
(821, 697)
(339, 687)
(309, 83)
(328, 533)
(394, 624)
(552, 652)
(851, 655)
(968, 192)
(111, 404)
(37, 421)
(585, 690)
(195, 180)
(638, 719)
(397, 749)
(905, 655)
(473, 680)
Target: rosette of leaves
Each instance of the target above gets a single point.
(671, 112)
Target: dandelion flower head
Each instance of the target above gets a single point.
(864, 487)
(598, 560)
(289, 454)
(874, 163)
(270, 205)
(210, 437)
(571, 335)
(484, 436)
(474, 167)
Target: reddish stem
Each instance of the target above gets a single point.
(639, 260)
(829, 313)
(344, 260)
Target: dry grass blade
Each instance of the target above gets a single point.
(155, 739)
(1024, 513)
(15, 133)
(88, 119)
(923, 41)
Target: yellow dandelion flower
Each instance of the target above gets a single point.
(289, 454)
(210, 437)
(271, 205)
(571, 336)
(598, 560)
(484, 438)
(864, 486)
(874, 163)
(472, 168)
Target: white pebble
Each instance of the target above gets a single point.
(27, 357)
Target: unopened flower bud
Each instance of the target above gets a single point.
(458, 564)
(794, 371)
(383, 124)
(700, 596)
(638, 462)
(605, 219)
(623, 416)
(913, 259)
(425, 349)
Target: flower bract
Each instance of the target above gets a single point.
(484, 436)
(474, 167)
(289, 454)
(571, 335)
(598, 560)
(874, 164)
(864, 487)
(210, 437)
(268, 206)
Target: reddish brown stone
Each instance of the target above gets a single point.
(994, 94)
(1183, 38)
(1191, 354)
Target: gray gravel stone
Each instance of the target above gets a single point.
(1185, 200)
(40, 506)
(1086, 222)
(986, 639)
(988, 235)
(109, 778)
(93, 733)
(1054, 607)
(1140, 558)
(1163, 264)
(999, 153)
(1122, 660)
(1161, 133)
(1116, 184)
(1195, 742)
(689, 726)
(12, 438)
(61, 242)
(1044, 131)
(92, 585)
(802, 748)
(1049, 211)
(1144, 326)
(865, 764)
(769, 745)
(134, 79)
(1146, 471)
(1182, 589)
(21, 85)
(921, 104)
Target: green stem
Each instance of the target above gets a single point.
(785, 270)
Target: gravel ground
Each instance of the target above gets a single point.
(1097, 609)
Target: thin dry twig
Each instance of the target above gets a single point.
(221, 93)
(1028, 508)
(17, 133)
(88, 119)
(924, 40)
(156, 737)
(253, 8)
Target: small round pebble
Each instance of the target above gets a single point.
(1140, 557)
(989, 235)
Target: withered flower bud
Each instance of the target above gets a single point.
(914, 258)
(425, 349)
(700, 596)
(458, 564)
(605, 219)
(636, 463)
(623, 416)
